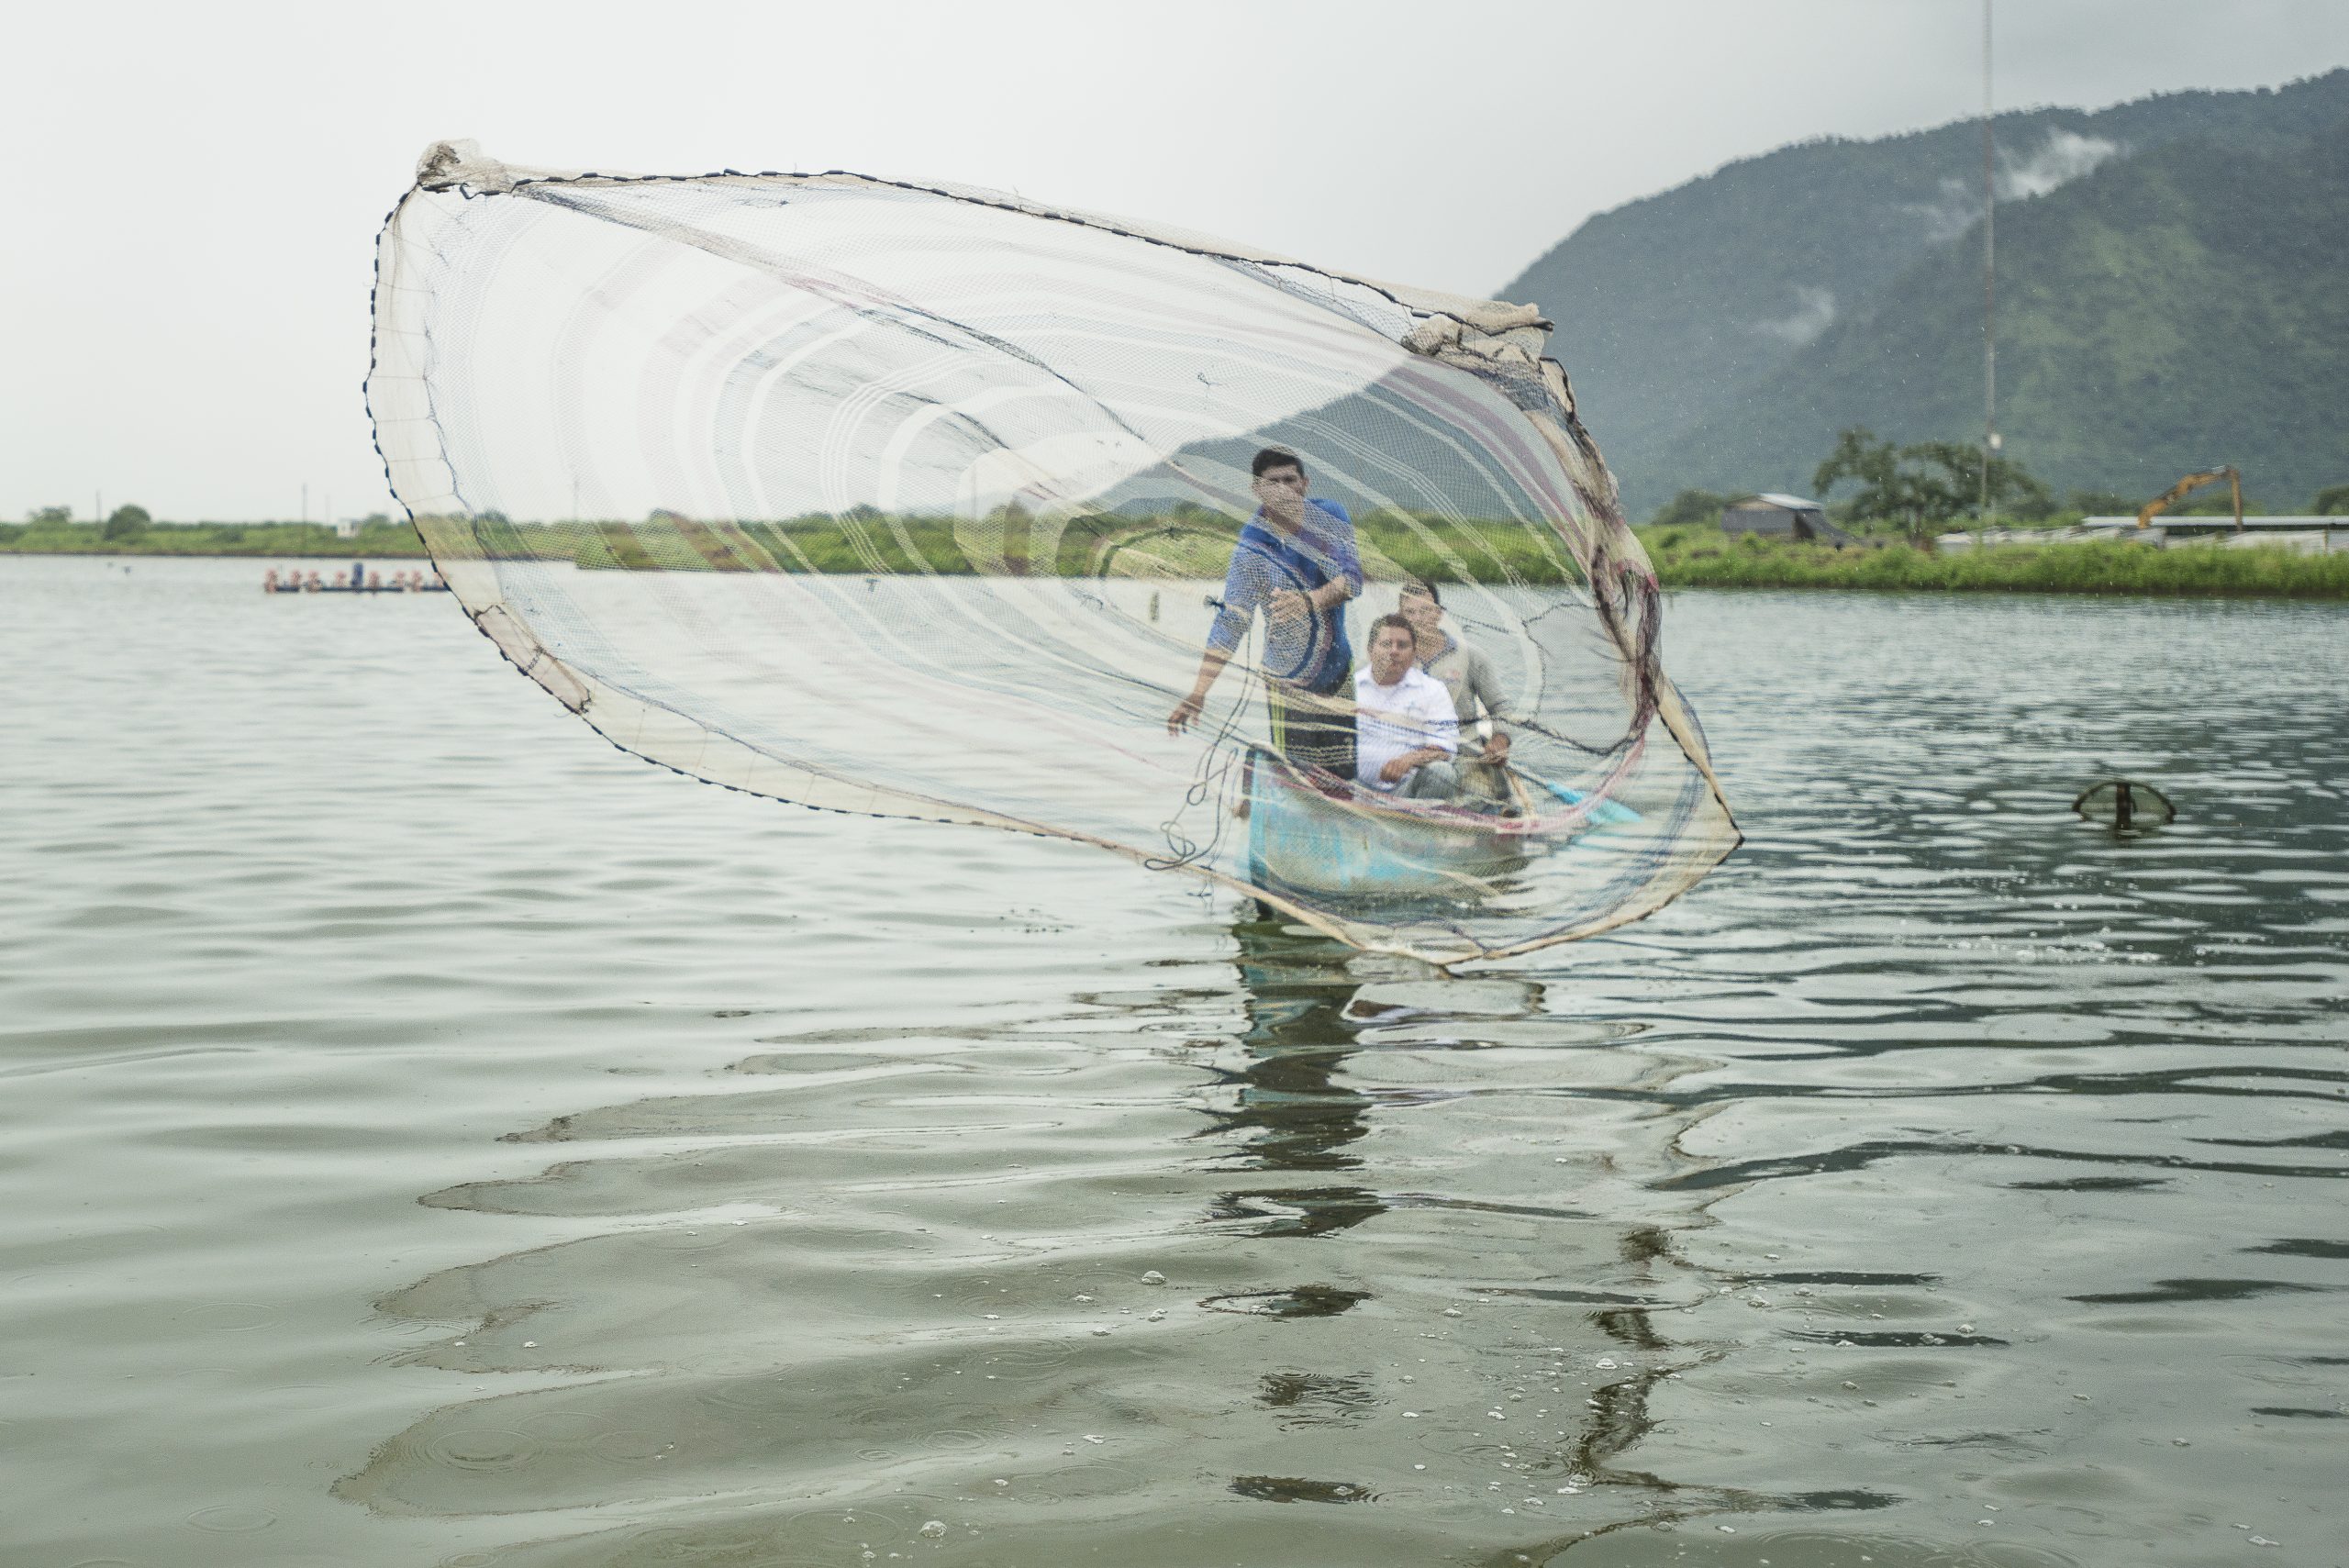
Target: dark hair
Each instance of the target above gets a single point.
(1422, 586)
(1382, 622)
(1272, 458)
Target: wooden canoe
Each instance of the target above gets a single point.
(1346, 840)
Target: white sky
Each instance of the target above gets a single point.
(192, 191)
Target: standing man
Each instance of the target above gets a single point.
(1409, 733)
(1296, 562)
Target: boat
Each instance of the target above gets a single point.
(347, 588)
(1320, 835)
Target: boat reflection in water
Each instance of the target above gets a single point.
(1289, 1109)
(1545, 1311)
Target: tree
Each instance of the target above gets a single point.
(1896, 488)
(2332, 501)
(1923, 487)
(2013, 491)
(1690, 507)
(127, 523)
(1860, 455)
(49, 516)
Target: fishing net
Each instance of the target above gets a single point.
(929, 502)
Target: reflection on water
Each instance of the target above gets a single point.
(1286, 1106)
(1115, 1316)
(1954, 1180)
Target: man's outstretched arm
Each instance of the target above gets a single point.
(1211, 664)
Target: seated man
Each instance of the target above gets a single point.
(1406, 732)
(1474, 686)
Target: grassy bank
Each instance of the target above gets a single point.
(1113, 546)
(1394, 548)
(1702, 557)
(379, 541)
(1685, 557)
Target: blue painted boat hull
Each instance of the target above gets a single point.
(1357, 844)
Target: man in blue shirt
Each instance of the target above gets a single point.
(1296, 563)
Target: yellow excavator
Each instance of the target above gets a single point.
(2188, 486)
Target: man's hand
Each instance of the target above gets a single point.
(1211, 664)
(1397, 768)
(1185, 712)
(1496, 747)
(1287, 603)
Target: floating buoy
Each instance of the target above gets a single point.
(2126, 804)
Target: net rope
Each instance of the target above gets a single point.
(932, 502)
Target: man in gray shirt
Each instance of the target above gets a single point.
(1476, 688)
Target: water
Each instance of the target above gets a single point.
(433, 1137)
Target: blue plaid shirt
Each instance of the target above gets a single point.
(1311, 652)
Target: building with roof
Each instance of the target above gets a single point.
(1775, 516)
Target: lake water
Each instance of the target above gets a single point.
(433, 1137)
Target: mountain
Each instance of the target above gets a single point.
(2171, 277)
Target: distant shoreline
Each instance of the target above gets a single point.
(1684, 557)
(1692, 557)
(417, 554)
(379, 541)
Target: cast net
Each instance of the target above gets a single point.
(931, 502)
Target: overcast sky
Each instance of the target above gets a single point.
(192, 191)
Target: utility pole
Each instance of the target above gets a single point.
(1989, 282)
(97, 507)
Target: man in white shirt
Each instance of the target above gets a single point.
(1405, 730)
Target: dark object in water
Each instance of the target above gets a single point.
(2125, 804)
(1298, 1489)
(1304, 1301)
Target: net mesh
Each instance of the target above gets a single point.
(932, 502)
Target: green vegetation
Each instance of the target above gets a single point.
(1923, 487)
(127, 523)
(130, 532)
(1193, 546)
(1928, 487)
(1184, 546)
(2173, 306)
(1703, 558)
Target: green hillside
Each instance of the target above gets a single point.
(2187, 306)
(1683, 318)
